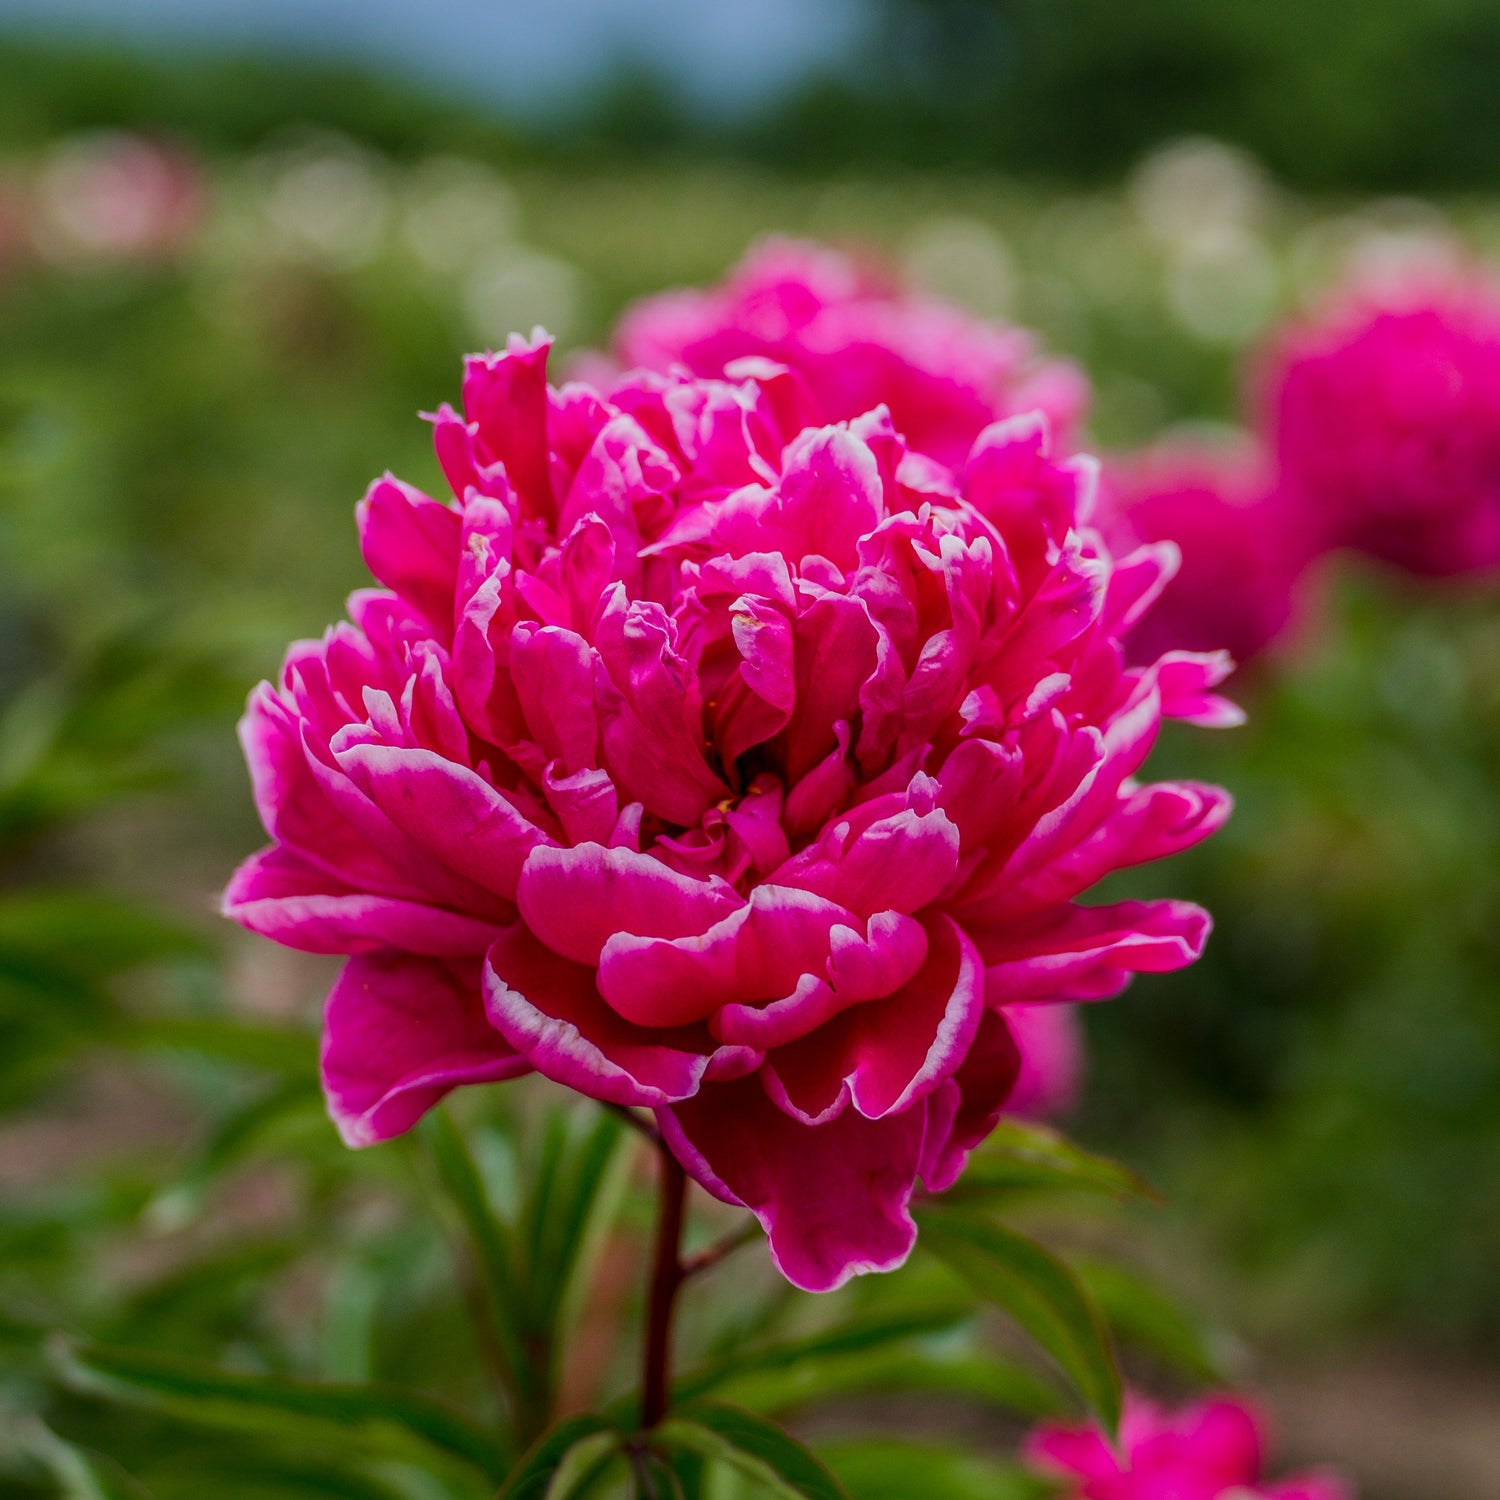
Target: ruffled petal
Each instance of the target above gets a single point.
(550, 1011)
(832, 1198)
(281, 896)
(399, 1033)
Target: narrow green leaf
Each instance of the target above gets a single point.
(400, 1422)
(996, 1382)
(496, 1262)
(77, 1473)
(562, 1459)
(1022, 1156)
(750, 1443)
(1142, 1313)
(873, 1468)
(853, 1337)
(1039, 1292)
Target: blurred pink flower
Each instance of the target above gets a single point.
(1244, 549)
(1384, 410)
(1050, 1041)
(858, 342)
(711, 760)
(1211, 1450)
(116, 196)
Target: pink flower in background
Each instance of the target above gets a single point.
(1050, 1041)
(1385, 414)
(115, 196)
(708, 759)
(1243, 546)
(1211, 1450)
(857, 342)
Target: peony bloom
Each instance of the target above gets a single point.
(1385, 414)
(943, 375)
(707, 759)
(1243, 548)
(1211, 1450)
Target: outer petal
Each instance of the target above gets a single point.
(281, 896)
(399, 1032)
(832, 1199)
(447, 809)
(410, 543)
(550, 1011)
(1091, 951)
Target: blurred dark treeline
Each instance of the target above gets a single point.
(1382, 95)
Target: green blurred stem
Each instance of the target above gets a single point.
(666, 1280)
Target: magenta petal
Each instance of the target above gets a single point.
(886, 1054)
(281, 896)
(549, 1010)
(399, 1033)
(758, 952)
(977, 1095)
(410, 543)
(1091, 951)
(505, 396)
(447, 809)
(575, 899)
(832, 1198)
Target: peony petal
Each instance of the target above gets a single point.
(889, 1053)
(832, 1199)
(760, 951)
(977, 1095)
(576, 899)
(1090, 951)
(279, 895)
(505, 397)
(447, 809)
(549, 1010)
(411, 544)
(399, 1033)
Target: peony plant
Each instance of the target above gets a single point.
(737, 746)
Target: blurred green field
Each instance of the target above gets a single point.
(182, 440)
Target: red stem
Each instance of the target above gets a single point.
(666, 1279)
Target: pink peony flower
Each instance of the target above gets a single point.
(943, 375)
(1243, 548)
(713, 761)
(1211, 1450)
(1385, 413)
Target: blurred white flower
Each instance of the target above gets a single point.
(455, 214)
(965, 261)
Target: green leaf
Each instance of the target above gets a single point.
(77, 1473)
(563, 1459)
(1039, 1292)
(1020, 1156)
(1141, 1312)
(856, 1336)
(893, 1469)
(751, 1444)
(996, 1382)
(402, 1423)
(496, 1262)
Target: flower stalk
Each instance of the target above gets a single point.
(666, 1280)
